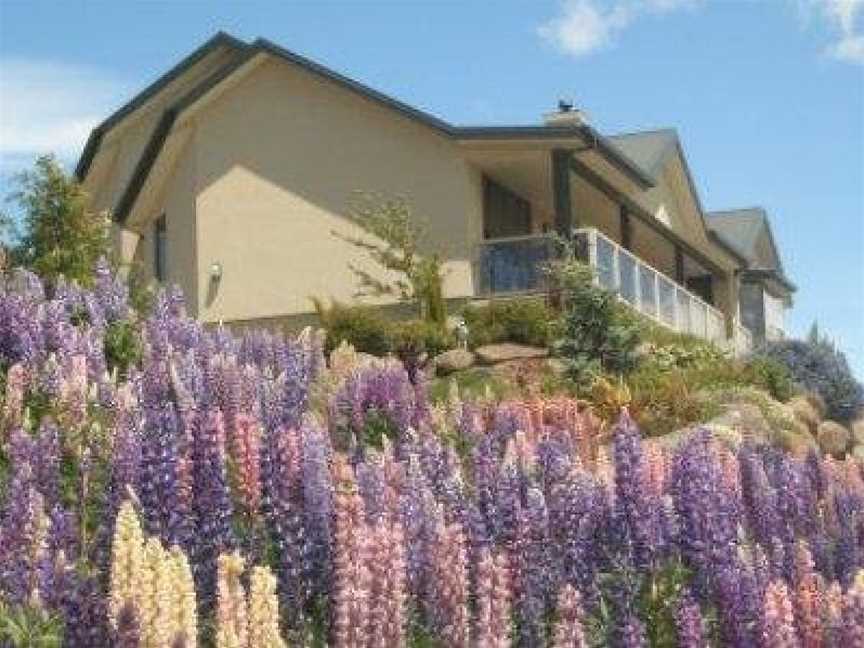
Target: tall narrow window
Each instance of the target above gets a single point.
(160, 241)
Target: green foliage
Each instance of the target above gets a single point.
(594, 337)
(524, 321)
(664, 400)
(122, 346)
(363, 327)
(411, 339)
(397, 239)
(771, 375)
(59, 235)
(472, 383)
(29, 627)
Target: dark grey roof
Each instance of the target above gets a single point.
(648, 149)
(741, 230)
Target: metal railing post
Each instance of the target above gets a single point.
(592, 254)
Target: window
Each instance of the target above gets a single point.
(504, 213)
(160, 240)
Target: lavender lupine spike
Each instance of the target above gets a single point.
(569, 632)
(630, 632)
(211, 502)
(317, 501)
(533, 570)
(690, 624)
(635, 512)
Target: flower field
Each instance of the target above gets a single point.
(241, 491)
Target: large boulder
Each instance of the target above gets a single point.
(491, 354)
(452, 361)
(805, 411)
(833, 438)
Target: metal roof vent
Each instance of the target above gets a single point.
(566, 115)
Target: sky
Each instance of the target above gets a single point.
(767, 95)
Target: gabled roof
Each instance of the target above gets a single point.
(742, 229)
(219, 41)
(650, 150)
(245, 52)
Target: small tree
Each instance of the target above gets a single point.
(58, 234)
(396, 249)
(594, 337)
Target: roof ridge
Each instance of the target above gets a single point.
(651, 131)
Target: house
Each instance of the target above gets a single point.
(765, 291)
(230, 174)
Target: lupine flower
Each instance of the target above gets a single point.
(232, 620)
(778, 630)
(447, 599)
(350, 571)
(808, 598)
(853, 612)
(631, 632)
(689, 624)
(385, 556)
(245, 450)
(569, 632)
(263, 610)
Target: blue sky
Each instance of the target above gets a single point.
(768, 96)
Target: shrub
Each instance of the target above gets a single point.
(770, 375)
(819, 367)
(664, 400)
(412, 339)
(524, 321)
(122, 346)
(593, 336)
(363, 327)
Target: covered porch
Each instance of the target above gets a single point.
(529, 195)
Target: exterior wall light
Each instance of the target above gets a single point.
(215, 271)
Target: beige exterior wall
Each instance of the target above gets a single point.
(277, 160)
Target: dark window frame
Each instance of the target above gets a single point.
(160, 248)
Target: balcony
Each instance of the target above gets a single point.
(511, 266)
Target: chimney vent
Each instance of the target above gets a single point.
(566, 115)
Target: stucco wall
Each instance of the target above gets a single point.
(178, 205)
(278, 158)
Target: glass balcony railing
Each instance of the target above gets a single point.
(512, 265)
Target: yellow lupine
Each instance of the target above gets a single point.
(183, 586)
(157, 602)
(232, 628)
(127, 563)
(263, 610)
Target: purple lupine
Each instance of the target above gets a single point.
(635, 508)
(317, 501)
(630, 633)
(759, 496)
(689, 623)
(163, 504)
(533, 573)
(211, 502)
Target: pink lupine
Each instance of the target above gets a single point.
(386, 564)
(350, 574)
(778, 630)
(245, 447)
(808, 598)
(13, 404)
(832, 614)
(853, 613)
(494, 600)
(447, 597)
(569, 632)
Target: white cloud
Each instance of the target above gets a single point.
(50, 107)
(845, 19)
(585, 26)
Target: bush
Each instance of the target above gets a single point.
(819, 367)
(524, 321)
(122, 346)
(594, 337)
(770, 375)
(363, 327)
(664, 400)
(411, 339)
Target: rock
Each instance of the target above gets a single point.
(453, 360)
(857, 430)
(506, 351)
(833, 438)
(805, 412)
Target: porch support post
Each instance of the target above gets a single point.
(564, 221)
(679, 265)
(626, 228)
